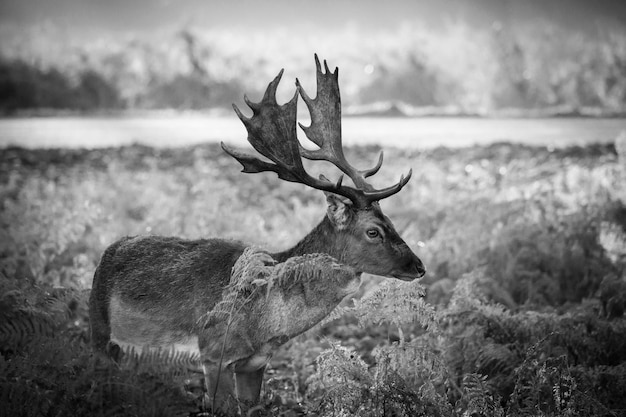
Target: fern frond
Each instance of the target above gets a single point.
(337, 313)
(305, 269)
(344, 379)
(410, 379)
(495, 358)
(467, 294)
(21, 329)
(396, 303)
(15, 394)
(256, 268)
(252, 268)
(415, 361)
(223, 311)
(479, 398)
(159, 359)
(255, 273)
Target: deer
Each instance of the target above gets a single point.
(154, 290)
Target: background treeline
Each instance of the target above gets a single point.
(521, 313)
(455, 69)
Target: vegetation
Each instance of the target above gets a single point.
(520, 314)
(24, 86)
(531, 68)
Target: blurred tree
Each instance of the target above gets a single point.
(23, 86)
(411, 82)
(513, 84)
(94, 92)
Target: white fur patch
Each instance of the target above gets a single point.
(133, 328)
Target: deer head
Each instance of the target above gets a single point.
(355, 231)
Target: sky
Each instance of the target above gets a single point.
(256, 15)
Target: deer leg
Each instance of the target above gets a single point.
(220, 388)
(249, 388)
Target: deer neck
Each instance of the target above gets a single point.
(322, 239)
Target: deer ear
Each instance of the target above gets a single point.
(339, 210)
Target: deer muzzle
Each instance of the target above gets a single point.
(412, 268)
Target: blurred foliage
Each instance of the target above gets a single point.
(523, 313)
(530, 68)
(24, 86)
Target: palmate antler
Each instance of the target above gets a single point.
(272, 132)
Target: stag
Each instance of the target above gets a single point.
(154, 291)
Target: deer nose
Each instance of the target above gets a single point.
(420, 269)
(413, 267)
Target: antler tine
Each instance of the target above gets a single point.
(268, 97)
(270, 92)
(318, 66)
(254, 106)
(337, 183)
(243, 118)
(376, 195)
(326, 67)
(369, 172)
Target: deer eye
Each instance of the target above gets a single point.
(373, 233)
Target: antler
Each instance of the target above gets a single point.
(325, 132)
(272, 132)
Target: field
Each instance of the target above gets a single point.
(521, 312)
